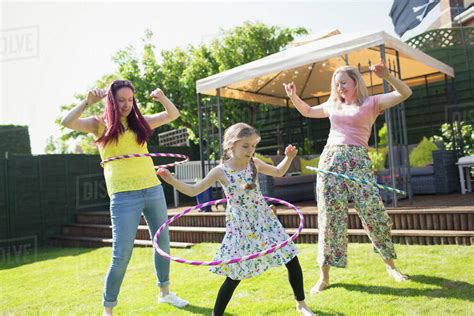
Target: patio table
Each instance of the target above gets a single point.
(465, 163)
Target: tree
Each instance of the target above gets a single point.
(180, 68)
(447, 137)
(55, 146)
(61, 145)
(242, 45)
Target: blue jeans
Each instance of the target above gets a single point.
(125, 210)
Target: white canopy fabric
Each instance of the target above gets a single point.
(312, 64)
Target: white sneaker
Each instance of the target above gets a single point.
(172, 299)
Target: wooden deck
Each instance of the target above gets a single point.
(442, 219)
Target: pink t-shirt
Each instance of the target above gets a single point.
(352, 125)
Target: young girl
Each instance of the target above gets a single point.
(251, 226)
(352, 112)
(131, 183)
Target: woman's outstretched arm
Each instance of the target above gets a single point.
(73, 118)
(170, 113)
(402, 90)
(317, 111)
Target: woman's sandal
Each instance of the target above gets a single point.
(397, 275)
(319, 287)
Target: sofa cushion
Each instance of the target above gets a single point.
(284, 181)
(421, 155)
(308, 163)
(422, 171)
(265, 159)
(419, 171)
(295, 164)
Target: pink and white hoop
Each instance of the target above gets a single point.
(186, 159)
(233, 260)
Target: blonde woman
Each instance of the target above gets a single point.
(351, 113)
(251, 226)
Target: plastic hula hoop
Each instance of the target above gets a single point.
(362, 181)
(232, 260)
(186, 159)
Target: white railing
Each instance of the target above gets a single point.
(189, 172)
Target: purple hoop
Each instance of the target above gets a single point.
(228, 261)
(186, 159)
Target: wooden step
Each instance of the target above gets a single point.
(100, 231)
(430, 220)
(88, 242)
(187, 236)
(191, 219)
(436, 219)
(308, 235)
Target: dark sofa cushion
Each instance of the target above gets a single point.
(283, 181)
(422, 171)
(295, 164)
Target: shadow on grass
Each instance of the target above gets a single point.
(445, 288)
(14, 258)
(323, 313)
(208, 311)
(200, 310)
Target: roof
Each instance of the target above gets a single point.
(311, 64)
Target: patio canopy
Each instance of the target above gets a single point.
(312, 64)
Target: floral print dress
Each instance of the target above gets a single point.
(251, 226)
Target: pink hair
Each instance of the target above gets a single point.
(111, 116)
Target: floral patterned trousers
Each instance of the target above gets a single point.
(333, 195)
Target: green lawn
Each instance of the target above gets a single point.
(69, 282)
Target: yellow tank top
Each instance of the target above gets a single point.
(129, 174)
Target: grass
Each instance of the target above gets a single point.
(61, 281)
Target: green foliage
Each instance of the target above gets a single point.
(14, 139)
(180, 68)
(242, 45)
(467, 135)
(249, 42)
(144, 73)
(383, 135)
(378, 157)
(421, 155)
(308, 147)
(55, 146)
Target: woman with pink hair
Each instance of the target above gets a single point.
(132, 184)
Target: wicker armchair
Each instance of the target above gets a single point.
(293, 187)
(439, 178)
